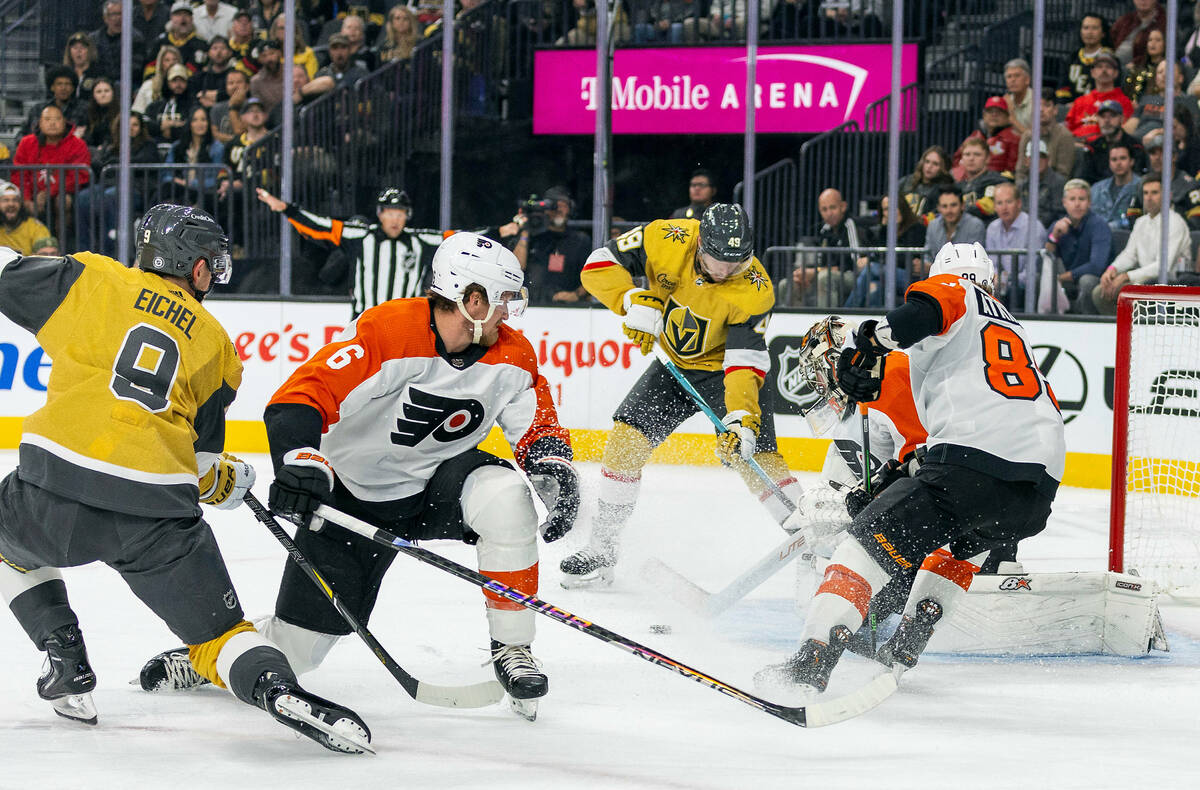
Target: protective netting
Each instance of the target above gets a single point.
(1162, 481)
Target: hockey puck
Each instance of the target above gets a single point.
(660, 629)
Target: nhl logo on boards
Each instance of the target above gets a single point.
(1016, 583)
(790, 379)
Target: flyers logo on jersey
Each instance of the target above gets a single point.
(445, 419)
(685, 331)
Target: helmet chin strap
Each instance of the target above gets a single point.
(477, 324)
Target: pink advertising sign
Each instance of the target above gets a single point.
(701, 90)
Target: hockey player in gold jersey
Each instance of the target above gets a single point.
(708, 300)
(113, 466)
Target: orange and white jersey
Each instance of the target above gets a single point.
(394, 405)
(978, 390)
(895, 430)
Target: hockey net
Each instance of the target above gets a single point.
(1155, 517)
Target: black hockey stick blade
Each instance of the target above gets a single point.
(477, 695)
(815, 715)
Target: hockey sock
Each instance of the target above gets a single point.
(776, 468)
(206, 656)
(626, 452)
(38, 599)
(844, 595)
(943, 579)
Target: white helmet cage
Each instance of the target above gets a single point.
(967, 261)
(819, 352)
(466, 258)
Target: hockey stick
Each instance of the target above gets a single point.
(478, 695)
(872, 620)
(723, 428)
(816, 715)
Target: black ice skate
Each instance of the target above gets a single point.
(591, 566)
(170, 670)
(517, 670)
(67, 678)
(329, 724)
(812, 664)
(913, 633)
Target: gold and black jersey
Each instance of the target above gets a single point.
(706, 325)
(142, 375)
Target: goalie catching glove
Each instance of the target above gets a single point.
(226, 482)
(860, 371)
(557, 484)
(302, 484)
(643, 318)
(739, 437)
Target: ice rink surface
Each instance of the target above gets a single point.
(612, 720)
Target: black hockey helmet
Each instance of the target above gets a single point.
(170, 239)
(725, 233)
(393, 198)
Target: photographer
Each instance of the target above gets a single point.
(552, 255)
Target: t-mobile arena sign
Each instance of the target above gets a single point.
(702, 90)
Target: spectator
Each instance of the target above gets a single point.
(60, 84)
(727, 20)
(835, 273)
(103, 107)
(1187, 147)
(1139, 75)
(1019, 98)
(1148, 114)
(1010, 231)
(354, 29)
(1081, 119)
(213, 18)
(952, 225)
(302, 53)
(1082, 243)
(54, 143)
(391, 260)
(341, 71)
(208, 86)
(1050, 186)
(1185, 196)
(1092, 165)
(225, 116)
(150, 19)
(1000, 140)
(262, 12)
(254, 119)
(1111, 196)
(674, 21)
(108, 44)
(18, 229)
(267, 84)
(181, 34)
(921, 187)
(1189, 45)
(702, 192)
(869, 287)
(1077, 79)
(101, 196)
(1059, 142)
(978, 183)
(1139, 262)
(152, 88)
(1130, 31)
(168, 116)
(80, 56)
(400, 35)
(243, 43)
(47, 246)
(196, 145)
(552, 254)
(583, 31)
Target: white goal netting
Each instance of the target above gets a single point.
(1161, 525)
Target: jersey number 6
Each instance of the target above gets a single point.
(1008, 365)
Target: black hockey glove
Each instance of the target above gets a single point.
(304, 482)
(557, 484)
(860, 372)
(858, 498)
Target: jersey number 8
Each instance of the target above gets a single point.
(1008, 365)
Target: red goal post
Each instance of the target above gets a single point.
(1155, 514)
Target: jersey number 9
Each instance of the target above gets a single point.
(145, 368)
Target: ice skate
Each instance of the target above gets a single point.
(518, 671)
(170, 670)
(336, 728)
(591, 566)
(913, 633)
(811, 665)
(67, 678)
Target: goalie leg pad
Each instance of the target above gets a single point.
(851, 579)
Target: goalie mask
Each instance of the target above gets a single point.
(820, 349)
(469, 258)
(967, 261)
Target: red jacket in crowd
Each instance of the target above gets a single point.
(1003, 145)
(1085, 106)
(68, 151)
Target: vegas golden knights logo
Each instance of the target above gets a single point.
(685, 331)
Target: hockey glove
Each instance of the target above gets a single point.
(556, 482)
(860, 371)
(821, 512)
(304, 482)
(226, 482)
(738, 440)
(643, 319)
(858, 498)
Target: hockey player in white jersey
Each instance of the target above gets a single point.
(994, 459)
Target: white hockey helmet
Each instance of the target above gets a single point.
(968, 261)
(468, 258)
(820, 349)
